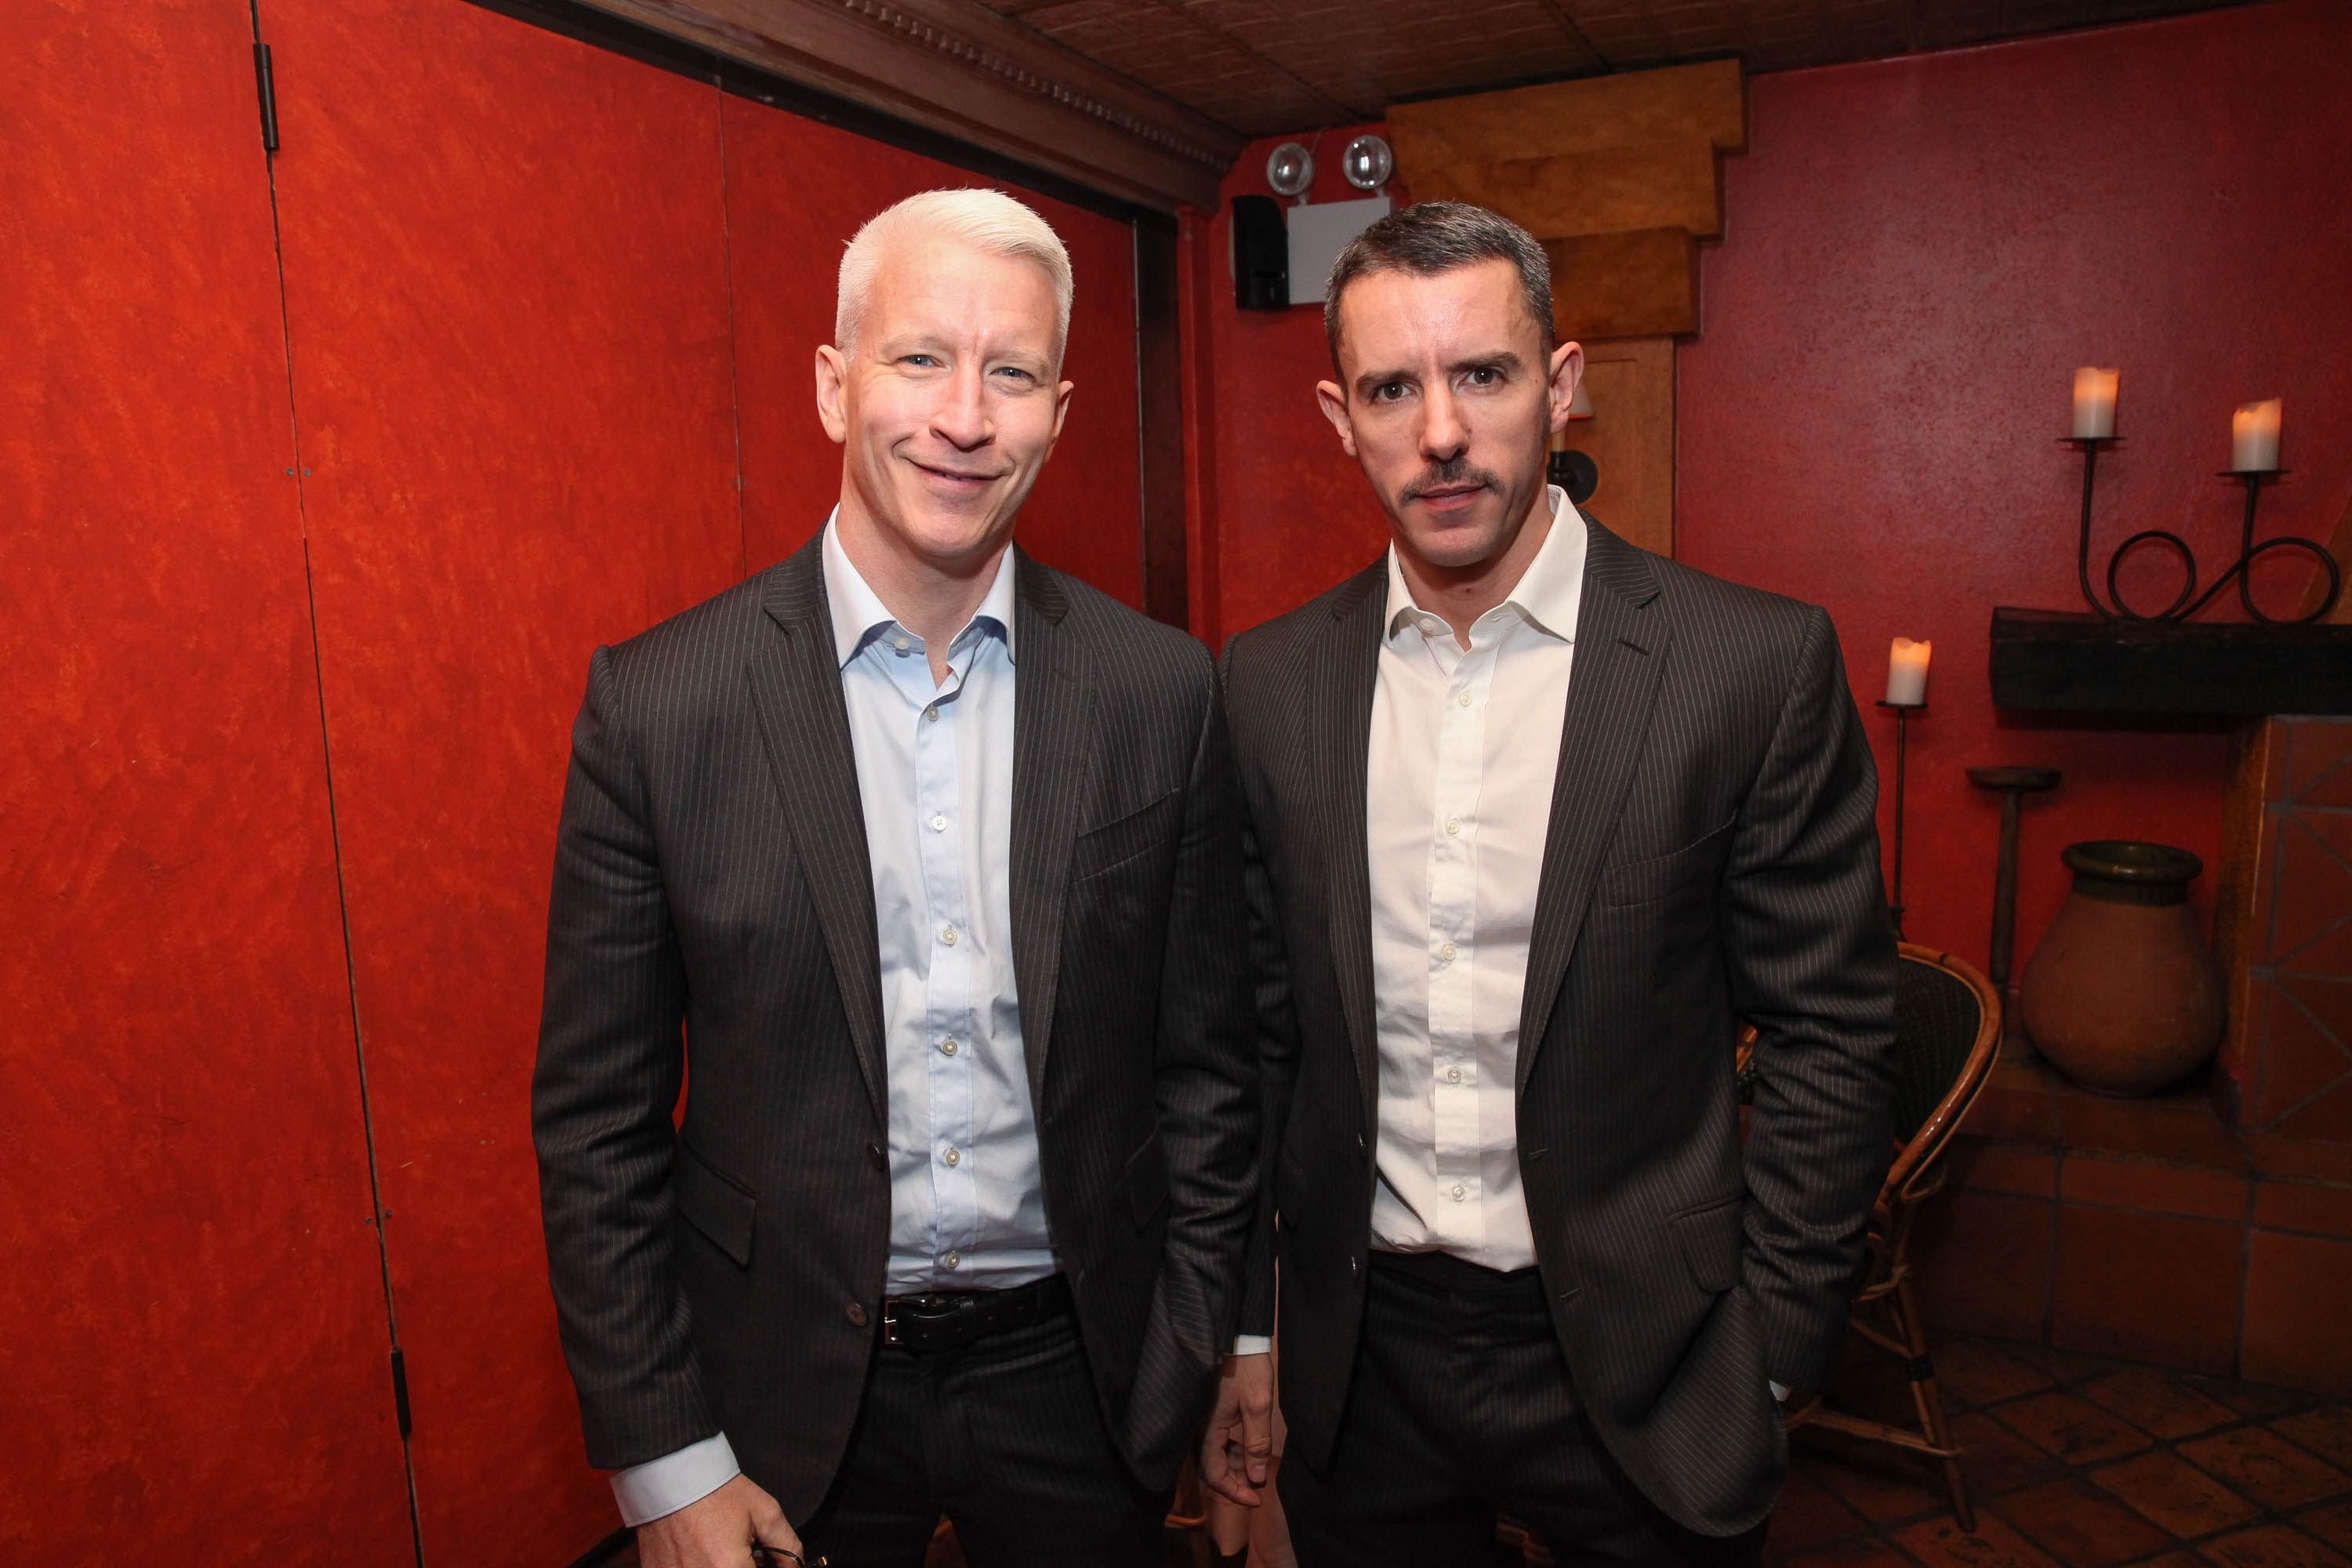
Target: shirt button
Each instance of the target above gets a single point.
(1460, 1192)
(856, 1313)
(1464, 699)
(955, 1259)
(949, 1047)
(1454, 1075)
(902, 644)
(931, 714)
(874, 1157)
(953, 1156)
(938, 822)
(948, 936)
(1452, 826)
(1445, 954)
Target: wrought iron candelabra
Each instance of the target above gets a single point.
(2186, 605)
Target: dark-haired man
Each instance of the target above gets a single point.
(1537, 819)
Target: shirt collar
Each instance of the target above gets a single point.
(859, 615)
(1547, 592)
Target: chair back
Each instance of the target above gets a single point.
(1947, 1031)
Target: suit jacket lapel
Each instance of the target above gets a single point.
(1345, 675)
(1612, 688)
(795, 678)
(1052, 766)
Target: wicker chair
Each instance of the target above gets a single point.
(1947, 1030)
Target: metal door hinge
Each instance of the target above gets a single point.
(400, 1391)
(268, 86)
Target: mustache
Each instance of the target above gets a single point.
(1451, 475)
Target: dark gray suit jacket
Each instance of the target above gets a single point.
(711, 872)
(1713, 857)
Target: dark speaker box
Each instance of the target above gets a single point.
(1261, 254)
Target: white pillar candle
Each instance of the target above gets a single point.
(1906, 673)
(2094, 401)
(2255, 438)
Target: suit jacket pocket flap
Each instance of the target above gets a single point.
(1639, 881)
(1123, 838)
(1147, 1181)
(1713, 1239)
(713, 1205)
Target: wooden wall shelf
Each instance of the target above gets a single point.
(2070, 662)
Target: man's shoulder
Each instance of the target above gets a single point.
(1713, 610)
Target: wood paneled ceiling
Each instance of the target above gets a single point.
(1259, 67)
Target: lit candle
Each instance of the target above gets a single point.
(2253, 438)
(2094, 403)
(1580, 405)
(1906, 673)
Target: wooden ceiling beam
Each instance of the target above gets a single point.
(957, 68)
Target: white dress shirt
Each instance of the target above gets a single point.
(935, 781)
(1464, 746)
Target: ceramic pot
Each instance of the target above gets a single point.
(2123, 997)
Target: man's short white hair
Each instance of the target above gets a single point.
(986, 220)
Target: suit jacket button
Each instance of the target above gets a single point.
(856, 1313)
(874, 1157)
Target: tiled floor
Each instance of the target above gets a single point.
(2071, 1462)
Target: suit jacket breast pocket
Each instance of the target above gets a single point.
(1662, 875)
(1113, 844)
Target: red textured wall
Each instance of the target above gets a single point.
(796, 192)
(1918, 252)
(193, 1366)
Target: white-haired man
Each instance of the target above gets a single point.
(933, 853)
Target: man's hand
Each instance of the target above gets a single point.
(1238, 1446)
(718, 1531)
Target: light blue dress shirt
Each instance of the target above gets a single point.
(935, 779)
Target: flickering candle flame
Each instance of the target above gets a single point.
(2255, 438)
(1906, 673)
(2094, 403)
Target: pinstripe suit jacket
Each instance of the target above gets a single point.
(1712, 855)
(711, 871)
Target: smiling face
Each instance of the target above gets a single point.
(1448, 404)
(946, 403)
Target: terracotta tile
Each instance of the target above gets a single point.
(2329, 953)
(2255, 1400)
(1983, 1263)
(2315, 748)
(2147, 1288)
(1973, 1372)
(2326, 1432)
(2296, 1288)
(2332, 1524)
(2314, 890)
(1807, 1516)
(2326, 997)
(2265, 1467)
(2295, 1058)
(1942, 1543)
(2300, 1158)
(1851, 1554)
(1881, 1484)
(2003, 1168)
(2073, 1429)
(2273, 1546)
(2065, 1367)
(2303, 1205)
(1995, 1459)
(2328, 1116)
(2178, 1126)
(2174, 1494)
(2190, 1190)
(2333, 828)
(2080, 1525)
(2016, 1112)
(2157, 1402)
(2173, 1560)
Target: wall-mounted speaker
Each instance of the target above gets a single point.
(1261, 254)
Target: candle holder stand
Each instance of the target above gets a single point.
(2187, 603)
(2012, 784)
(1902, 712)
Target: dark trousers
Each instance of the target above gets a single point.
(1002, 1436)
(1462, 1408)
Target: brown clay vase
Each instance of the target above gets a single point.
(2123, 997)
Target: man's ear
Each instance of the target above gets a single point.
(1334, 403)
(832, 380)
(1566, 369)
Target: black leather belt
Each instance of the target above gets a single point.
(942, 1320)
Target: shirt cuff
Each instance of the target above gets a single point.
(1780, 1392)
(657, 1487)
(1252, 1344)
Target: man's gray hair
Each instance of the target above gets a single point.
(1430, 238)
(986, 220)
